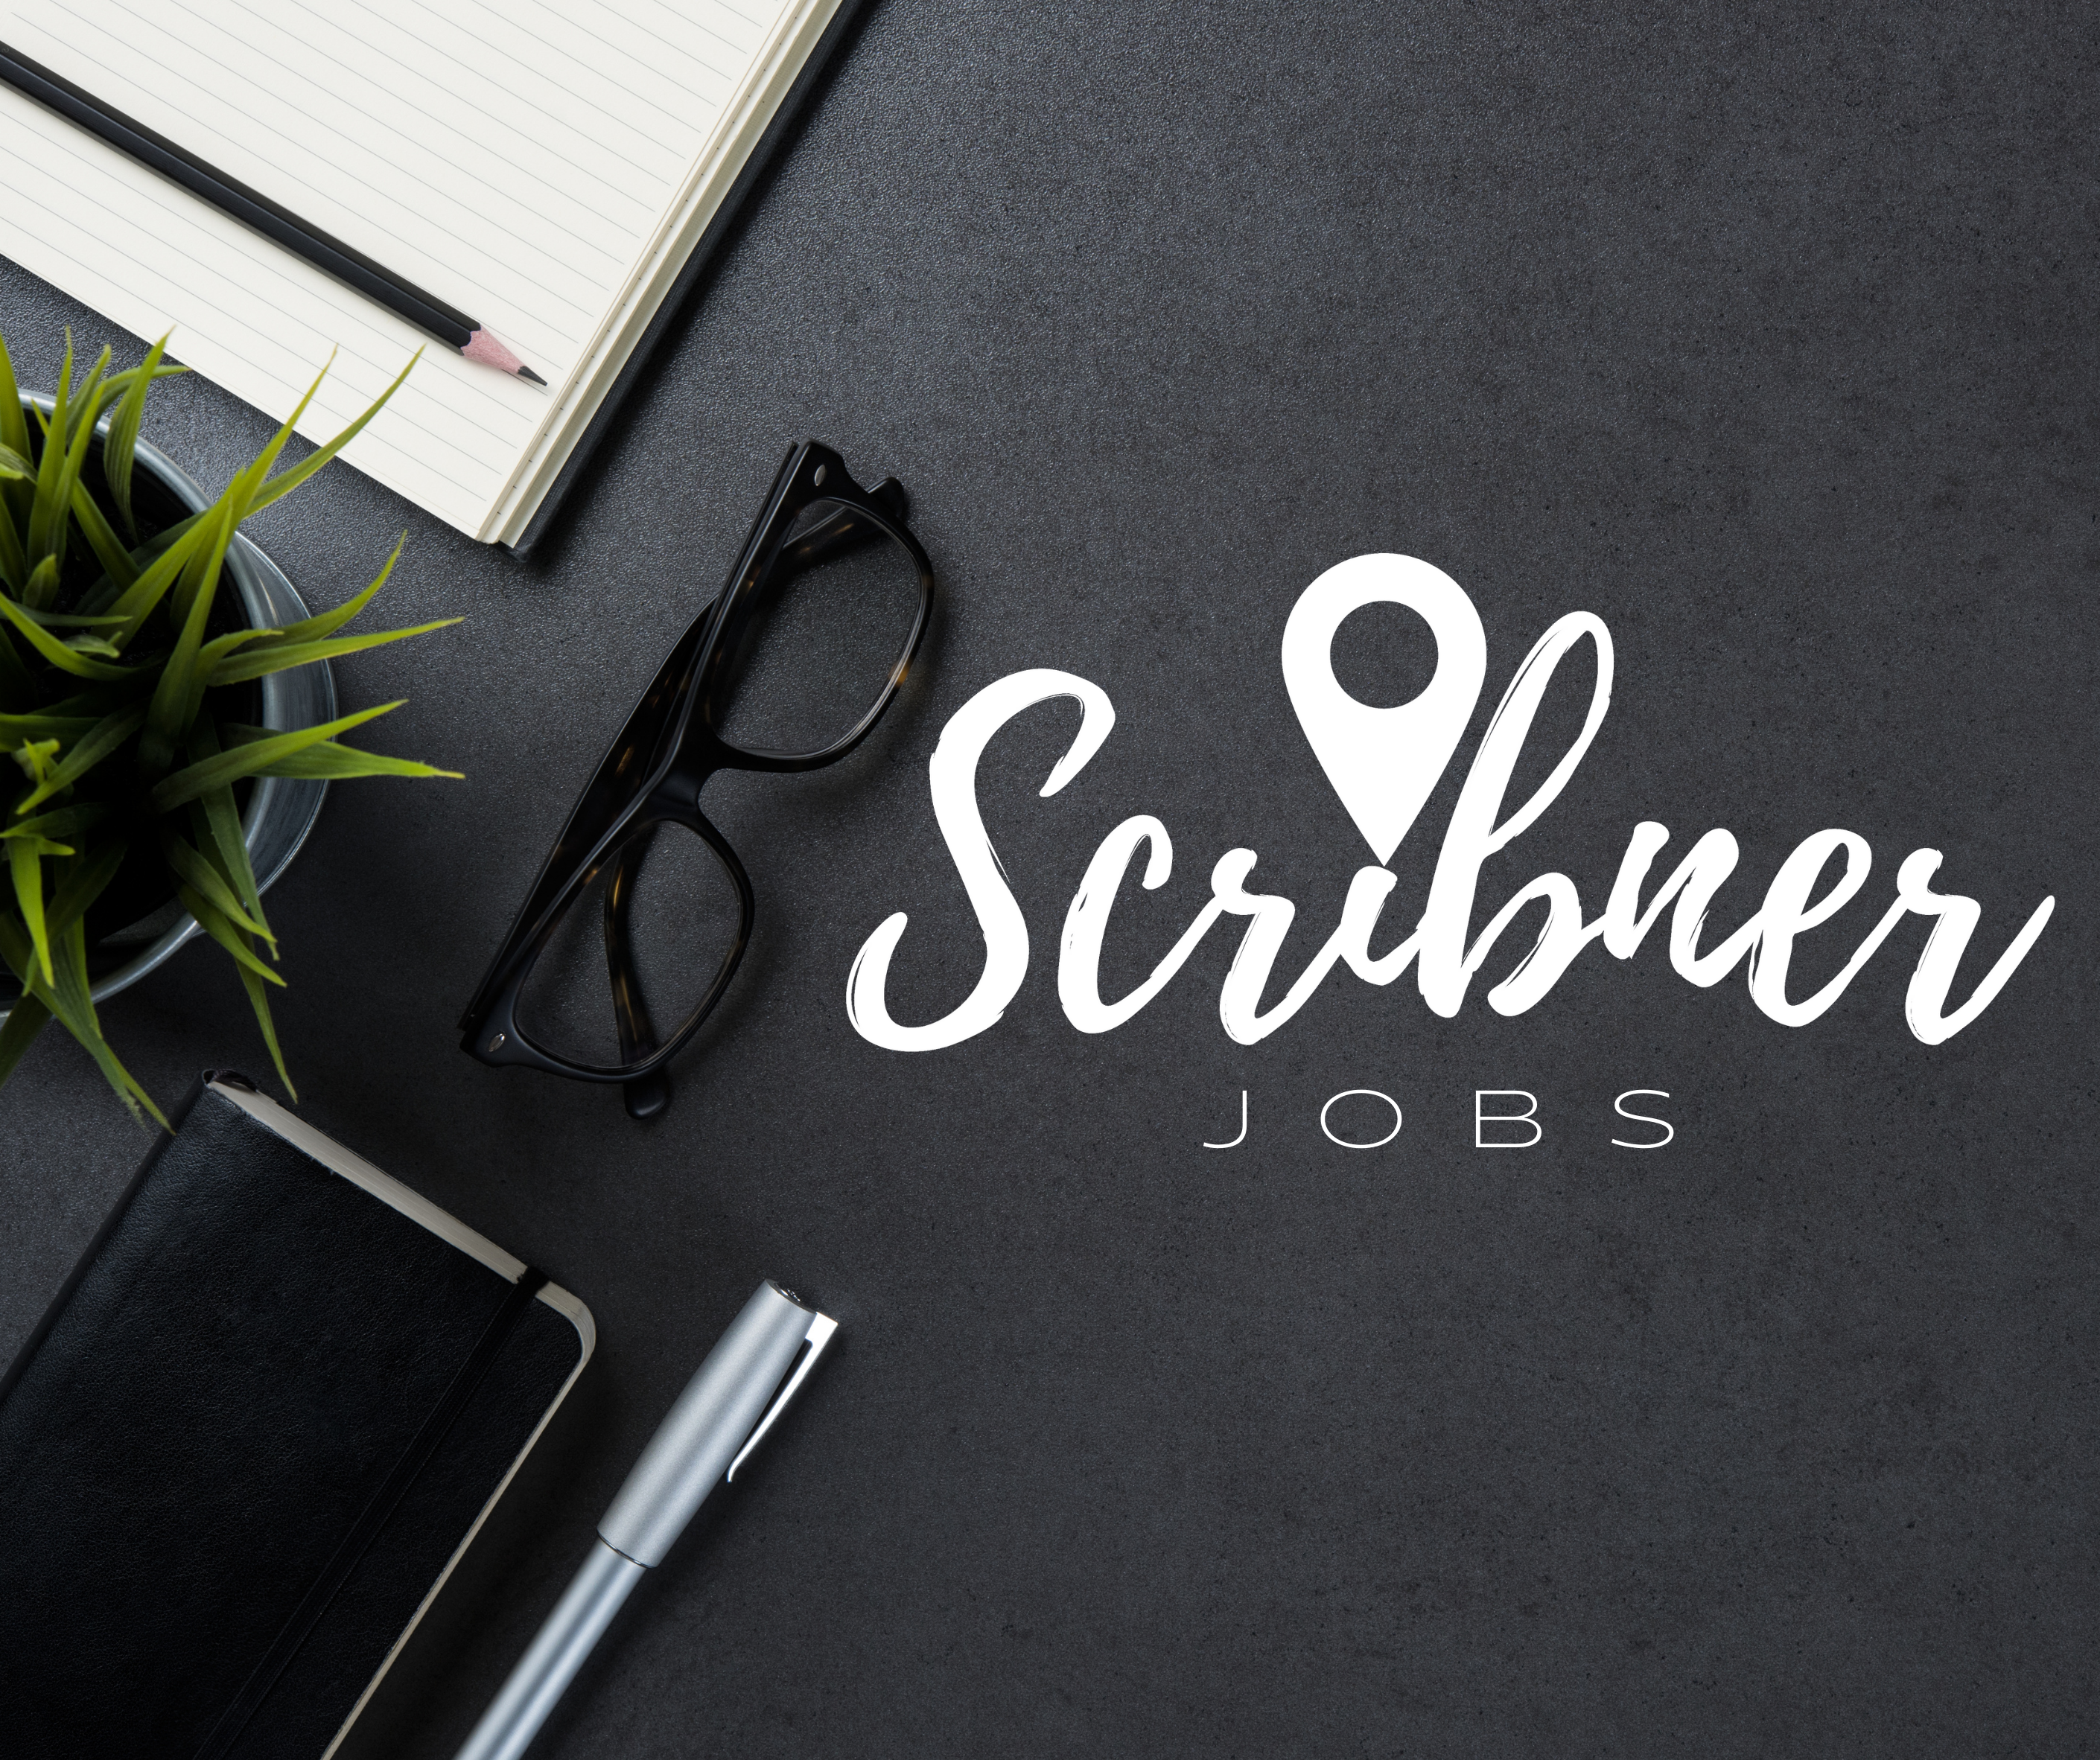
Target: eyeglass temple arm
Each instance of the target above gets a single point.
(638, 739)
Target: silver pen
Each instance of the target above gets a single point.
(733, 1398)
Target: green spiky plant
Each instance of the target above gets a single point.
(120, 750)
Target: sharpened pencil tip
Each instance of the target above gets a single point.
(482, 347)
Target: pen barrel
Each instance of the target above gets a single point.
(703, 1431)
(544, 1671)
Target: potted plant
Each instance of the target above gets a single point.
(131, 680)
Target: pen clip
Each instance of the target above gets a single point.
(820, 1333)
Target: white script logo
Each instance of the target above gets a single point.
(1383, 764)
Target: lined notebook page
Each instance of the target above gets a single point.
(522, 161)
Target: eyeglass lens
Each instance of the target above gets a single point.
(832, 617)
(679, 911)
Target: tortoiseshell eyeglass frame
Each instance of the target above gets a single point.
(664, 757)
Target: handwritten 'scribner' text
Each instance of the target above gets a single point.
(1384, 763)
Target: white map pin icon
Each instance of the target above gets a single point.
(1383, 763)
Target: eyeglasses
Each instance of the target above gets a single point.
(787, 669)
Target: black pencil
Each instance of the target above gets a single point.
(280, 225)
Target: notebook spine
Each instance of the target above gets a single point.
(786, 120)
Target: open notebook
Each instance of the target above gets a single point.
(549, 166)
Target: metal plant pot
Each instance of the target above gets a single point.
(280, 810)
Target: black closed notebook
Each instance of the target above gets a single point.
(249, 1441)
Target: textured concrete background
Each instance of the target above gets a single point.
(1768, 336)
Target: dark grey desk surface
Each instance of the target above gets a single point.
(1769, 339)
